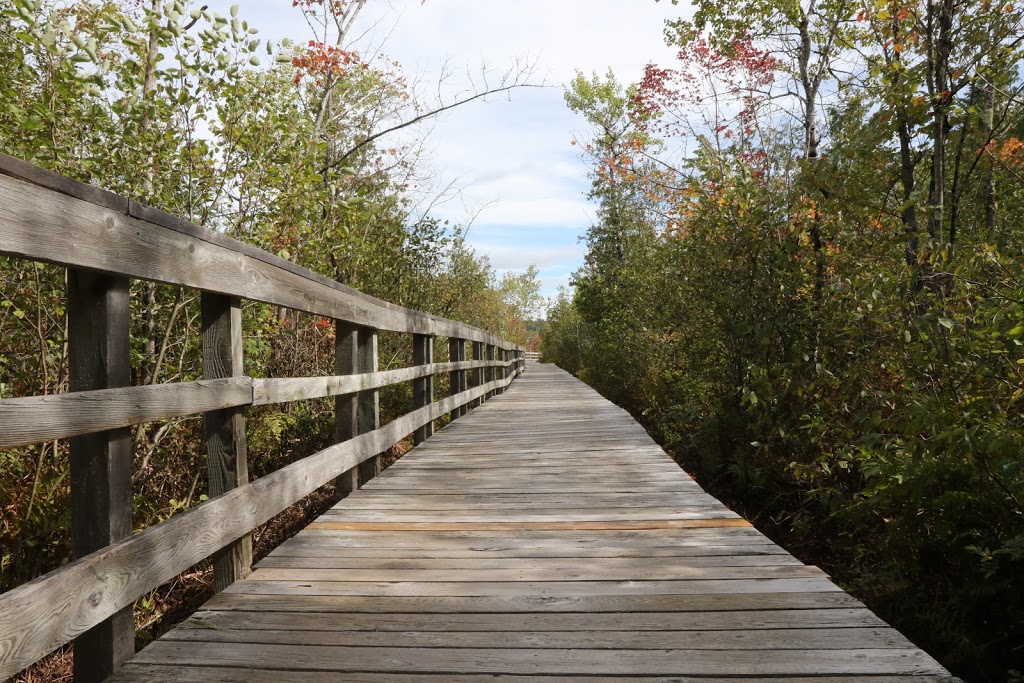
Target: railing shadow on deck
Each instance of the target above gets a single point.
(105, 240)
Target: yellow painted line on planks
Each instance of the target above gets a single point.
(640, 525)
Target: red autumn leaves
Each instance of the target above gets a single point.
(321, 60)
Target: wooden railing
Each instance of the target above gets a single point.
(104, 240)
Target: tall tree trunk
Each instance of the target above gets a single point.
(990, 185)
(810, 83)
(941, 12)
(148, 365)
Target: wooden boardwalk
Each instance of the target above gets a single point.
(543, 537)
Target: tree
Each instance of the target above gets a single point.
(781, 303)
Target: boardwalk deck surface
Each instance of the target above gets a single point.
(544, 537)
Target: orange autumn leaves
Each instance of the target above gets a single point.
(1008, 152)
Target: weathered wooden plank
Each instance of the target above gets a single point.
(499, 354)
(57, 607)
(490, 372)
(481, 478)
(515, 526)
(368, 399)
(224, 430)
(555, 539)
(476, 377)
(561, 566)
(346, 406)
(423, 388)
(527, 602)
(60, 416)
(384, 500)
(551, 486)
(418, 544)
(533, 537)
(580, 553)
(16, 168)
(771, 641)
(457, 378)
(605, 662)
(267, 391)
(527, 516)
(199, 674)
(47, 218)
(593, 571)
(101, 488)
(839, 618)
(537, 588)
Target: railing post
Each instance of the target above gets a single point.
(101, 477)
(489, 375)
(464, 376)
(224, 430)
(506, 371)
(355, 352)
(502, 371)
(346, 407)
(457, 378)
(369, 401)
(423, 388)
(476, 377)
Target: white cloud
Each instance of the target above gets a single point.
(511, 156)
(552, 213)
(506, 257)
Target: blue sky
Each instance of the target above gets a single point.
(510, 158)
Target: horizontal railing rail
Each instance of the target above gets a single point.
(105, 240)
(35, 419)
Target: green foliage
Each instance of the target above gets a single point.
(770, 317)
